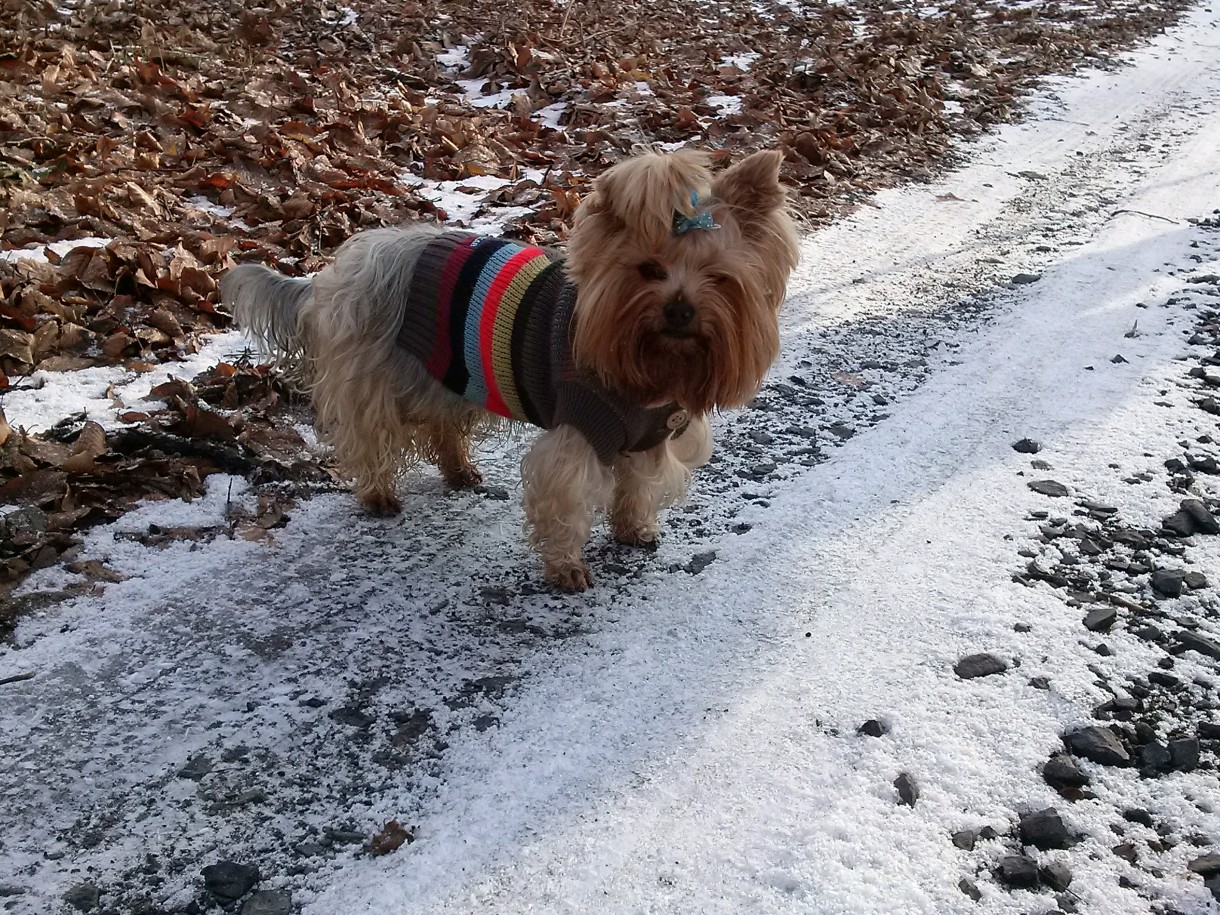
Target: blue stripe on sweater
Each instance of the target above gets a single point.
(476, 387)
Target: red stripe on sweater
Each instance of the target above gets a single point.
(487, 323)
(442, 350)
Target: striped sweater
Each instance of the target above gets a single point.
(491, 320)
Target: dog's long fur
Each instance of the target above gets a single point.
(336, 337)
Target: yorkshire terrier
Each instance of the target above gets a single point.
(417, 341)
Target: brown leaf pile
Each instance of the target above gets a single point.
(76, 475)
(191, 132)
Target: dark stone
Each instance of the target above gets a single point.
(1208, 865)
(1213, 884)
(968, 887)
(1039, 682)
(1061, 771)
(1066, 903)
(1056, 875)
(1018, 872)
(8, 889)
(964, 839)
(1043, 829)
(196, 768)
(1167, 583)
(1192, 641)
(987, 833)
(1126, 851)
(700, 561)
(908, 791)
(1027, 446)
(1207, 464)
(345, 836)
(268, 902)
(1022, 627)
(1204, 521)
(353, 716)
(1184, 753)
(83, 897)
(1104, 650)
(1180, 523)
(1194, 580)
(1101, 745)
(1024, 279)
(1209, 730)
(873, 728)
(1049, 488)
(1154, 757)
(228, 880)
(1144, 732)
(1160, 678)
(1138, 815)
(1101, 619)
(979, 665)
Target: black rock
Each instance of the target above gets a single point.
(83, 897)
(970, 889)
(1101, 619)
(1098, 744)
(1061, 771)
(195, 768)
(908, 791)
(1180, 523)
(1204, 521)
(700, 561)
(988, 833)
(1067, 902)
(1192, 641)
(1049, 488)
(228, 880)
(964, 839)
(268, 902)
(873, 728)
(1207, 464)
(1040, 682)
(1043, 829)
(9, 889)
(1017, 872)
(1154, 758)
(1184, 753)
(1024, 279)
(1138, 815)
(1056, 875)
(1208, 865)
(1167, 583)
(979, 665)
(1209, 730)
(1022, 627)
(1144, 732)
(1027, 446)
(1194, 580)
(1126, 851)
(1160, 678)
(1213, 884)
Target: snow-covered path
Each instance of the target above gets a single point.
(684, 738)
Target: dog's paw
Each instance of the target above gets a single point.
(385, 504)
(645, 536)
(466, 477)
(569, 576)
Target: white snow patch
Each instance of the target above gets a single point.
(60, 248)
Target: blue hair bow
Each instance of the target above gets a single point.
(684, 224)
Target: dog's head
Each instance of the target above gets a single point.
(680, 275)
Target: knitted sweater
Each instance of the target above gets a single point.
(491, 320)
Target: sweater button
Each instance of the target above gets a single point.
(677, 420)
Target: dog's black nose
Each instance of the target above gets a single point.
(678, 314)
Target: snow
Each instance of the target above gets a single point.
(104, 392)
(60, 248)
(676, 742)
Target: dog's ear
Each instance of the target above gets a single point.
(751, 187)
(644, 192)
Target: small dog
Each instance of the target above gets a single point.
(416, 341)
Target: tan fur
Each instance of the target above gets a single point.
(382, 412)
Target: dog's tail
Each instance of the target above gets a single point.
(270, 307)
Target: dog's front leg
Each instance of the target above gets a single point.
(565, 485)
(647, 481)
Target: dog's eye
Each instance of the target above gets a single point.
(651, 270)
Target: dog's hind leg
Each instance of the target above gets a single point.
(449, 445)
